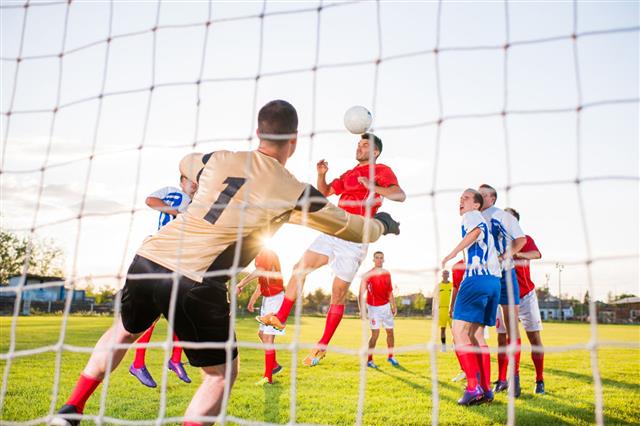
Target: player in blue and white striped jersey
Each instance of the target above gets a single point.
(477, 300)
(170, 201)
(506, 231)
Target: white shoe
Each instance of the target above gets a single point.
(443, 348)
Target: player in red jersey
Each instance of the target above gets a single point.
(271, 287)
(529, 313)
(344, 257)
(380, 306)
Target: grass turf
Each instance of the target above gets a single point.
(328, 393)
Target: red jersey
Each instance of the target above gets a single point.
(378, 287)
(522, 269)
(458, 273)
(353, 194)
(268, 261)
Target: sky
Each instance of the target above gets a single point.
(96, 158)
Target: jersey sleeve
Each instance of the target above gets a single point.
(321, 215)
(160, 193)
(530, 245)
(385, 177)
(512, 226)
(471, 220)
(184, 204)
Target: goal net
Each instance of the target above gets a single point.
(100, 100)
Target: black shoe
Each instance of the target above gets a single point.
(540, 387)
(61, 420)
(390, 225)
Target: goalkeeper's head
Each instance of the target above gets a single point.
(278, 126)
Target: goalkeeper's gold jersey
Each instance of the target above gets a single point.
(242, 198)
(445, 290)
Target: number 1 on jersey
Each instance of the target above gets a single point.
(233, 186)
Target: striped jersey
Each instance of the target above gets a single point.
(480, 257)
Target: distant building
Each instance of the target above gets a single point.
(626, 310)
(55, 293)
(550, 308)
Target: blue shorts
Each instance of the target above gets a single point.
(504, 297)
(477, 300)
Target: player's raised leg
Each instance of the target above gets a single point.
(207, 400)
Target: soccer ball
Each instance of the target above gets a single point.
(357, 119)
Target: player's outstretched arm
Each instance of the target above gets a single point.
(466, 242)
(323, 216)
(392, 192)
(253, 299)
(246, 280)
(159, 205)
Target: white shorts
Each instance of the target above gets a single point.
(271, 304)
(380, 316)
(345, 257)
(529, 314)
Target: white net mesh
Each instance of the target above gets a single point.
(99, 100)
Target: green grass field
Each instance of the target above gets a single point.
(328, 393)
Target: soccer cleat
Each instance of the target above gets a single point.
(314, 357)
(143, 375)
(487, 397)
(371, 364)
(178, 368)
(461, 376)
(539, 387)
(61, 420)
(443, 348)
(276, 369)
(271, 320)
(516, 386)
(471, 397)
(393, 362)
(263, 381)
(500, 385)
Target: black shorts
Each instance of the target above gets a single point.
(201, 314)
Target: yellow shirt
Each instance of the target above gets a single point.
(445, 294)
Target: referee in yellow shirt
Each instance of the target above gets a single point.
(445, 287)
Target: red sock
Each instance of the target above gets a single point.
(191, 424)
(370, 357)
(503, 363)
(484, 362)
(516, 357)
(390, 351)
(285, 310)
(334, 316)
(538, 362)
(84, 389)
(138, 362)
(176, 354)
(269, 363)
(470, 366)
(459, 360)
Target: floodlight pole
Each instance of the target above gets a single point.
(560, 267)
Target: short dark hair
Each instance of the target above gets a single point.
(477, 196)
(376, 141)
(514, 212)
(378, 252)
(490, 188)
(277, 121)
